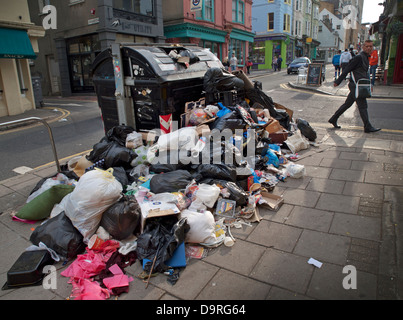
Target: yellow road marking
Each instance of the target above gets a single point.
(64, 159)
(65, 113)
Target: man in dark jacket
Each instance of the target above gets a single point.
(359, 67)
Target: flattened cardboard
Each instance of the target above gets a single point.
(273, 201)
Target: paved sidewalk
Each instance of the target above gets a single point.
(346, 211)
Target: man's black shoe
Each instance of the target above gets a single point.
(334, 123)
(372, 129)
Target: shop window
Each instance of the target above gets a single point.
(257, 52)
(238, 47)
(20, 77)
(207, 11)
(81, 52)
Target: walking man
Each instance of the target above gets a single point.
(336, 64)
(359, 67)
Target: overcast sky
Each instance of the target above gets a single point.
(371, 11)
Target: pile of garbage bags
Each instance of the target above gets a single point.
(136, 197)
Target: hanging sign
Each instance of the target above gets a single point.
(196, 5)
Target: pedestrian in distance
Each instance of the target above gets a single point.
(279, 62)
(233, 62)
(358, 66)
(274, 63)
(248, 65)
(373, 64)
(345, 58)
(336, 64)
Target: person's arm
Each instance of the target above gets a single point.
(352, 65)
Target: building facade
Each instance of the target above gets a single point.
(222, 26)
(84, 28)
(18, 47)
(286, 27)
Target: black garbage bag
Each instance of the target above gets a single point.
(160, 238)
(121, 175)
(113, 153)
(122, 218)
(112, 149)
(217, 79)
(218, 171)
(168, 160)
(237, 193)
(231, 120)
(170, 181)
(256, 95)
(306, 129)
(59, 234)
(119, 134)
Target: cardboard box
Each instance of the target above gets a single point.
(272, 201)
(279, 136)
(289, 111)
(273, 126)
(156, 209)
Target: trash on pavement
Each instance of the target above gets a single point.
(163, 197)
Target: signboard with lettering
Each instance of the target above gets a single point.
(314, 74)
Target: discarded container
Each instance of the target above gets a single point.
(27, 270)
(95, 243)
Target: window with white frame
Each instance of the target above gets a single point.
(298, 5)
(308, 7)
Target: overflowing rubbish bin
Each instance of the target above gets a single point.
(158, 80)
(163, 200)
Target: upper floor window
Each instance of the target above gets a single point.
(238, 11)
(287, 23)
(270, 21)
(144, 7)
(298, 5)
(287, 2)
(308, 6)
(207, 11)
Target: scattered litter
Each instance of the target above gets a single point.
(314, 262)
(166, 198)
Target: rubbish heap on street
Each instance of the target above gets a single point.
(163, 198)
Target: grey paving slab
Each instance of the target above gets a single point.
(317, 171)
(385, 178)
(284, 270)
(323, 246)
(347, 175)
(354, 155)
(276, 235)
(360, 189)
(231, 286)
(338, 203)
(336, 163)
(366, 165)
(301, 197)
(309, 218)
(282, 294)
(326, 185)
(327, 284)
(356, 226)
(230, 257)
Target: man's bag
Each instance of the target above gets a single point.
(362, 88)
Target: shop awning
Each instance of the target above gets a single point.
(15, 44)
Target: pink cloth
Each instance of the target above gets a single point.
(84, 289)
